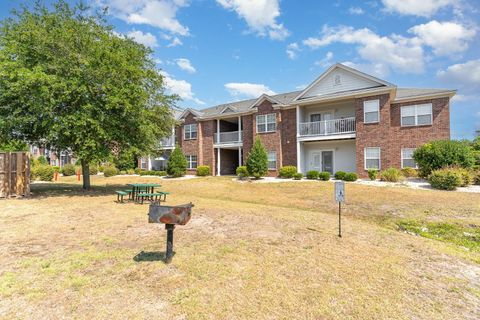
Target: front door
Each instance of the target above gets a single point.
(316, 161)
(327, 161)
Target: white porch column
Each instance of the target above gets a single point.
(218, 161)
(217, 138)
(149, 163)
(239, 128)
(299, 157)
(239, 156)
(173, 135)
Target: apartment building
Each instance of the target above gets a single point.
(344, 120)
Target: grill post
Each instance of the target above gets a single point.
(169, 252)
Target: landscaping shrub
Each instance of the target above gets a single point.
(287, 172)
(443, 153)
(123, 172)
(476, 178)
(44, 172)
(42, 160)
(56, 168)
(93, 169)
(350, 176)
(153, 173)
(131, 171)
(391, 175)
(409, 172)
(339, 175)
(242, 172)
(312, 174)
(325, 176)
(110, 171)
(100, 168)
(138, 170)
(257, 162)
(445, 179)
(372, 174)
(297, 176)
(177, 164)
(68, 170)
(466, 175)
(203, 171)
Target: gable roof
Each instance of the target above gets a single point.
(196, 113)
(264, 97)
(368, 80)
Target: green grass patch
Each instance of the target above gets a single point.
(464, 236)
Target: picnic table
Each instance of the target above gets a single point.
(138, 187)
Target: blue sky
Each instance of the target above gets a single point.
(215, 51)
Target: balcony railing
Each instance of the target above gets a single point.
(327, 127)
(228, 137)
(167, 142)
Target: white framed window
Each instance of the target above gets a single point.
(143, 163)
(191, 162)
(371, 111)
(416, 115)
(266, 123)
(190, 131)
(372, 158)
(407, 158)
(272, 160)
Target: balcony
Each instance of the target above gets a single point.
(231, 137)
(321, 130)
(167, 143)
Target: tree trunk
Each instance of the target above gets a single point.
(86, 175)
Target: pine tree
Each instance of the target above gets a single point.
(177, 164)
(257, 162)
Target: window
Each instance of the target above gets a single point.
(266, 123)
(143, 163)
(407, 158)
(416, 115)
(191, 162)
(272, 160)
(338, 80)
(372, 158)
(371, 111)
(190, 131)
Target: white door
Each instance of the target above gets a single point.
(316, 161)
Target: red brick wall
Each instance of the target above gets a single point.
(391, 137)
(191, 147)
(208, 158)
(247, 124)
(288, 131)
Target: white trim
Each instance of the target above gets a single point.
(446, 94)
(276, 160)
(402, 158)
(379, 158)
(321, 112)
(266, 122)
(233, 109)
(344, 67)
(262, 98)
(188, 110)
(190, 161)
(321, 158)
(378, 110)
(190, 131)
(218, 162)
(329, 137)
(415, 106)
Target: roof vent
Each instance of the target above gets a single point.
(338, 80)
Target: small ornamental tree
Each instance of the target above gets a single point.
(443, 153)
(177, 164)
(257, 162)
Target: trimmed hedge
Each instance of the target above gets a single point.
(339, 175)
(130, 171)
(350, 176)
(297, 176)
(325, 176)
(391, 175)
(372, 174)
(153, 173)
(110, 171)
(445, 179)
(68, 170)
(287, 172)
(43, 172)
(242, 172)
(312, 174)
(409, 172)
(203, 171)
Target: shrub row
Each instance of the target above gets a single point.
(42, 172)
(451, 178)
(203, 171)
(152, 173)
(287, 172)
(346, 176)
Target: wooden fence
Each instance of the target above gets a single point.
(14, 174)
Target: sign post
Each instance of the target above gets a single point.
(340, 197)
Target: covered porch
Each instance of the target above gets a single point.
(329, 156)
(227, 159)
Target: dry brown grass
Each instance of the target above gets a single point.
(251, 251)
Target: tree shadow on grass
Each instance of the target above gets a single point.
(150, 256)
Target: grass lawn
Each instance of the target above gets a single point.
(251, 251)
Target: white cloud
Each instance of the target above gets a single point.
(180, 87)
(394, 51)
(260, 15)
(185, 65)
(175, 42)
(157, 13)
(245, 89)
(446, 38)
(465, 76)
(356, 11)
(325, 62)
(377, 69)
(292, 50)
(146, 39)
(424, 8)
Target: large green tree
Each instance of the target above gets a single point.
(69, 82)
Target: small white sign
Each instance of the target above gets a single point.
(340, 191)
